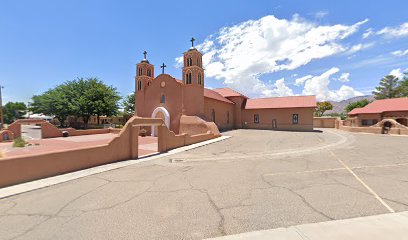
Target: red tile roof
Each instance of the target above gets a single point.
(208, 93)
(384, 105)
(228, 92)
(282, 102)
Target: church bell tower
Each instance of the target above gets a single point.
(193, 82)
(143, 79)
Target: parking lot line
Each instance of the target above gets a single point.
(363, 183)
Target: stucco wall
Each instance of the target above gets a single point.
(324, 122)
(221, 113)
(194, 125)
(14, 170)
(283, 118)
(49, 130)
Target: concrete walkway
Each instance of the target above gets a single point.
(387, 226)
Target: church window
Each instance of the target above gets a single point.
(295, 118)
(140, 71)
(199, 79)
(149, 72)
(139, 85)
(148, 83)
(256, 118)
(163, 99)
(213, 115)
(188, 78)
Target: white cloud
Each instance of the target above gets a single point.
(321, 14)
(396, 72)
(358, 47)
(302, 80)
(238, 55)
(319, 86)
(395, 32)
(279, 90)
(344, 77)
(369, 32)
(400, 53)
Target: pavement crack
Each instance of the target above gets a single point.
(300, 196)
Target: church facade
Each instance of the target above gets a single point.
(174, 100)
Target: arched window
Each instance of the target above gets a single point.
(199, 79)
(163, 99)
(139, 85)
(189, 78)
(149, 82)
(149, 72)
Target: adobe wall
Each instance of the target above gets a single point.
(14, 170)
(19, 169)
(238, 106)
(4, 134)
(282, 116)
(373, 129)
(194, 125)
(49, 130)
(221, 113)
(324, 122)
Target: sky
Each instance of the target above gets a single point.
(332, 49)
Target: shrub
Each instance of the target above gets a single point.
(19, 142)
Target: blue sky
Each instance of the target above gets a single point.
(334, 49)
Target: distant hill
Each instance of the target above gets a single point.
(338, 107)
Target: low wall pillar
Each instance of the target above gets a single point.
(134, 142)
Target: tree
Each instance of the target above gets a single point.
(389, 88)
(323, 107)
(93, 97)
(80, 98)
(403, 87)
(13, 111)
(129, 104)
(54, 102)
(358, 104)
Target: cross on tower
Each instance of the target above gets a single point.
(192, 42)
(145, 54)
(162, 67)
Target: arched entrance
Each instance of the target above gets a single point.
(160, 112)
(386, 127)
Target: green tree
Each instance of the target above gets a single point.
(129, 104)
(13, 111)
(54, 102)
(389, 88)
(80, 98)
(92, 97)
(358, 104)
(403, 87)
(323, 107)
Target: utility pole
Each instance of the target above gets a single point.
(1, 109)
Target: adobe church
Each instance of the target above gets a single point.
(188, 107)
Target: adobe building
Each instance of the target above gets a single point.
(379, 110)
(178, 101)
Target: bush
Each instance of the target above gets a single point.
(19, 142)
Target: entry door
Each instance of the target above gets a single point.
(274, 124)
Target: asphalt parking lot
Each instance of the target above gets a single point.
(252, 181)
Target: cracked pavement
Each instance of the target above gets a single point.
(253, 181)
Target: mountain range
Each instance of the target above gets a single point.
(338, 107)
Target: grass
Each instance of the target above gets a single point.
(19, 142)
